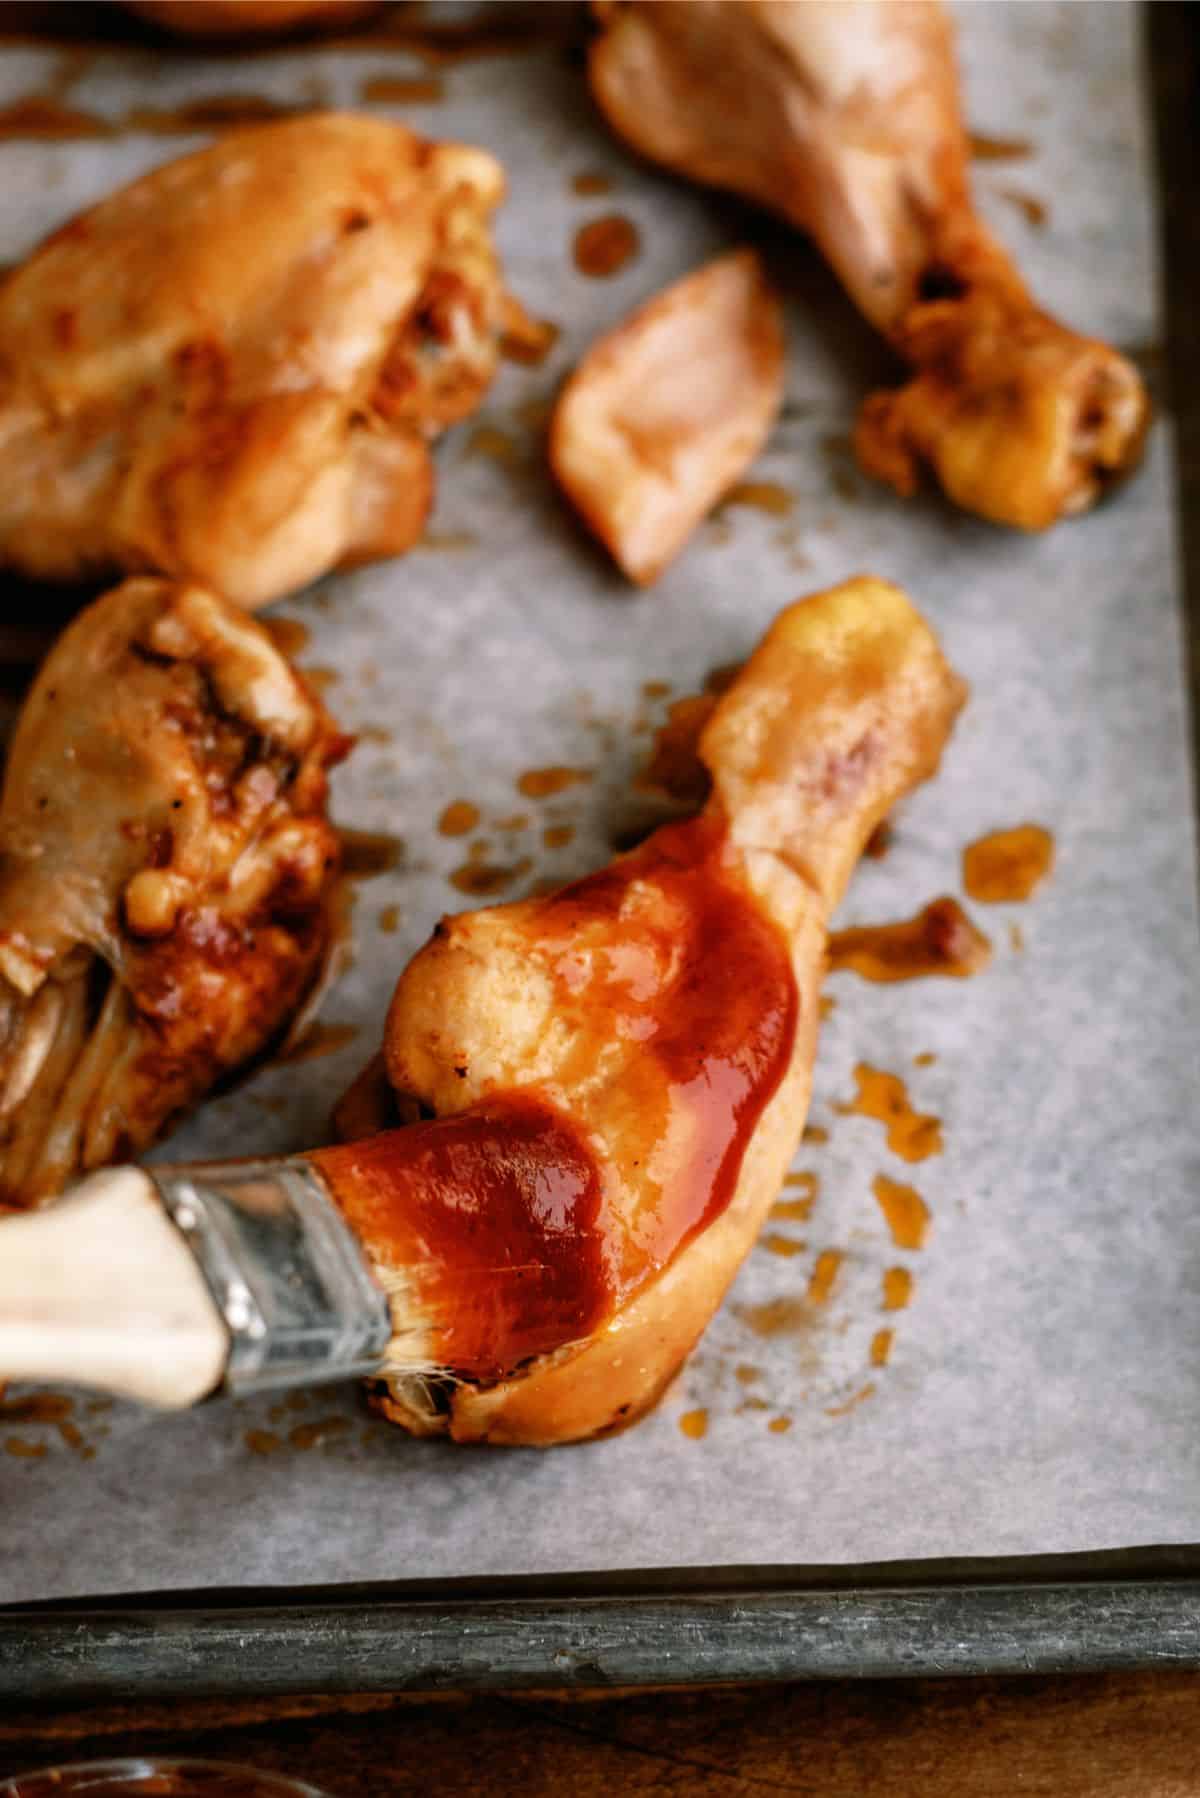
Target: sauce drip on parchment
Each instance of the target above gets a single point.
(366, 853)
(911, 1134)
(402, 90)
(998, 149)
(905, 1210)
(458, 819)
(941, 939)
(797, 1210)
(760, 496)
(1036, 211)
(485, 880)
(785, 1246)
(52, 1408)
(825, 1272)
(208, 112)
(546, 783)
(605, 245)
(1008, 865)
(897, 1288)
(36, 116)
(494, 445)
(785, 1316)
(852, 1404)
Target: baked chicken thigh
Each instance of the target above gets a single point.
(166, 875)
(618, 1074)
(844, 116)
(231, 370)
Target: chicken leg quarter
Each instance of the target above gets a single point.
(618, 1074)
(844, 116)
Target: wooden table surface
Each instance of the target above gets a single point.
(1107, 1736)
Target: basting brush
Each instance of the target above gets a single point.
(166, 1284)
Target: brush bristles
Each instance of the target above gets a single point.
(414, 1330)
(417, 1383)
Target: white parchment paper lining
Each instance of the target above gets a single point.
(1043, 1392)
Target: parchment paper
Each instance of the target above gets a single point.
(1043, 1391)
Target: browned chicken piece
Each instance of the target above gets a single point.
(231, 370)
(844, 116)
(619, 1073)
(666, 411)
(250, 18)
(167, 875)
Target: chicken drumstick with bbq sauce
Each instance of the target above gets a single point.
(844, 116)
(614, 1078)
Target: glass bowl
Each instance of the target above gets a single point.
(156, 1778)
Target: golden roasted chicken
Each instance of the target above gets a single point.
(167, 875)
(231, 370)
(617, 1075)
(844, 116)
(666, 411)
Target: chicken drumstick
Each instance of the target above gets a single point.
(844, 116)
(618, 1074)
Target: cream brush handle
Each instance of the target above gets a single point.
(164, 1283)
(101, 1289)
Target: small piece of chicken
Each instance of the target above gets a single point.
(619, 1073)
(666, 411)
(167, 875)
(231, 370)
(250, 18)
(844, 116)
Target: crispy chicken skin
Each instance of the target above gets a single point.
(844, 116)
(166, 875)
(644, 447)
(250, 18)
(619, 1072)
(231, 370)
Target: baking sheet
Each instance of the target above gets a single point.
(1042, 1394)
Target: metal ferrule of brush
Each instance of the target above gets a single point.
(285, 1271)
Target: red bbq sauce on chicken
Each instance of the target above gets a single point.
(684, 963)
(520, 1229)
(495, 1212)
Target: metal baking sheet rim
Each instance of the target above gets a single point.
(1088, 1613)
(1120, 1609)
